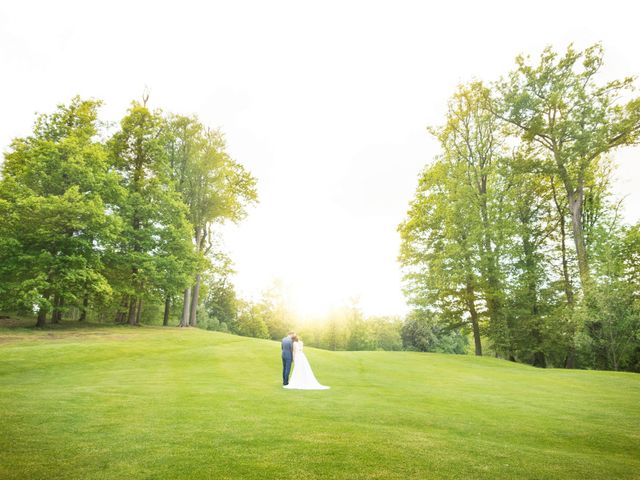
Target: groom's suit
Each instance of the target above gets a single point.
(287, 358)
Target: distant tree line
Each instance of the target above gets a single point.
(110, 227)
(344, 328)
(514, 235)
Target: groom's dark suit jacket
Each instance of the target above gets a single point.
(287, 348)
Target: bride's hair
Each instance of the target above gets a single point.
(294, 338)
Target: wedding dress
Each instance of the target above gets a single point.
(302, 377)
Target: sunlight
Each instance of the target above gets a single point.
(314, 298)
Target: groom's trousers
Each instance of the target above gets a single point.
(286, 369)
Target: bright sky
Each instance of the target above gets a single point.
(325, 102)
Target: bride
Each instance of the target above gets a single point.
(302, 377)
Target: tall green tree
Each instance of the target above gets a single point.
(55, 222)
(155, 241)
(472, 140)
(454, 232)
(214, 187)
(531, 294)
(559, 105)
(438, 253)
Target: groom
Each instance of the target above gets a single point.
(287, 357)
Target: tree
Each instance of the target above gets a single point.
(278, 318)
(473, 142)
(611, 310)
(222, 302)
(532, 222)
(386, 332)
(250, 321)
(423, 332)
(154, 245)
(55, 221)
(359, 330)
(454, 235)
(558, 105)
(214, 187)
(439, 258)
(485, 243)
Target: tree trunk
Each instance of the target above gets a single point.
(186, 308)
(139, 312)
(568, 287)
(539, 360)
(575, 199)
(42, 318)
(199, 239)
(58, 303)
(42, 314)
(194, 302)
(492, 283)
(570, 361)
(122, 310)
(54, 310)
(612, 348)
(474, 318)
(613, 358)
(167, 306)
(60, 309)
(489, 264)
(85, 304)
(132, 311)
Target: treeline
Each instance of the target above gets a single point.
(107, 226)
(343, 328)
(514, 234)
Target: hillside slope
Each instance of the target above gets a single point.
(120, 402)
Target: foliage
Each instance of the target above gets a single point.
(424, 333)
(610, 314)
(516, 206)
(213, 186)
(222, 303)
(558, 105)
(56, 224)
(154, 247)
(94, 223)
(250, 322)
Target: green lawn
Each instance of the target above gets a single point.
(154, 403)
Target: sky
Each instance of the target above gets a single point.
(326, 103)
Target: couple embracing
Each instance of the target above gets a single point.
(302, 377)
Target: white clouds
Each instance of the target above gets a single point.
(325, 102)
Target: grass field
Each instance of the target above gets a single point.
(164, 403)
